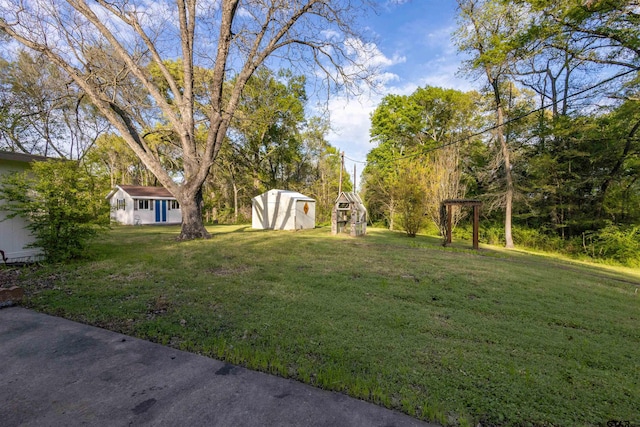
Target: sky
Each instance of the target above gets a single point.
(412, 45)
(414, 49)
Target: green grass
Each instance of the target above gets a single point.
(444, 334)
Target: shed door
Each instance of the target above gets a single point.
(161, 211)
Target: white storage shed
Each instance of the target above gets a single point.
(138, 205)
(283, 210)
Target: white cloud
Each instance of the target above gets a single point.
(350, 116)
(370, 54)
(331, 35)
(350, 123)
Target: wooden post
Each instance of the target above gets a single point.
(476, 225)
(449, 207)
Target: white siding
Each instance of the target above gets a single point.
(305, 219)
(14, 235)
(131, 215)
(121, 216)
(282, 210)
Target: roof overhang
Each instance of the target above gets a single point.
(22, 157)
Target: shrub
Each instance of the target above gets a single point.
(611, 243)
(490, 233)
(412, 201)
(62, 203)
(621, 244)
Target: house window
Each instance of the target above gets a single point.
(120, 204)
(173, 204)
(144, 205)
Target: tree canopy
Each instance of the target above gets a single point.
(125, 59)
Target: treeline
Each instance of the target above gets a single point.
(550, 144)
(272, 142)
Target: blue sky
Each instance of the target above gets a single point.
(413, 39)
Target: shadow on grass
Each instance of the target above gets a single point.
(215, 230)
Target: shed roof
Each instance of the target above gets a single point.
(351, 197)
(142, 191)
(287, 194)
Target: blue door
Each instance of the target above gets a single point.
(161, 211)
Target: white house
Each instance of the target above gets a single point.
(283, 210)
(14, 235)
(138, 205)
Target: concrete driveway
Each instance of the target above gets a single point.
(55, 372)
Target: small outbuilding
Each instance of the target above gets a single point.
(283, 210)
(139, 205)
(15, 237)
(349, 215)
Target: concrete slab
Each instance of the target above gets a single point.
(56, 372)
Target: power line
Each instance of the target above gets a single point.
(355, 161)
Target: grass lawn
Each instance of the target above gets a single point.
(448, 335)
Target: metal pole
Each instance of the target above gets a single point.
(341, 167)
(354, 178)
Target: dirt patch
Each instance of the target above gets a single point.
(9, 277)
(27, 277)
(158, 307)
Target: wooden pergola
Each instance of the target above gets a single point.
(447, 205)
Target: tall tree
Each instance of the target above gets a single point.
(266, 137)
(431, 124)
(486, 32)
(567, 51)
(232, 38)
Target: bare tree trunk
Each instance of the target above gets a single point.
(478, 39)
(508, 208)
(443, 181)
(392, 213)
(235, 202)
(192, 222)
(504, 147)
(508, 237)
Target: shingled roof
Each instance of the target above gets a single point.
(141, 191)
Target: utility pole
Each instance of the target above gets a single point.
(355, 190)
(341, 167)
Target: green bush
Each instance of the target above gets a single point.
(539, 239)
(489, 233)
(63, 205)
(620, 244)
(612, 243)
